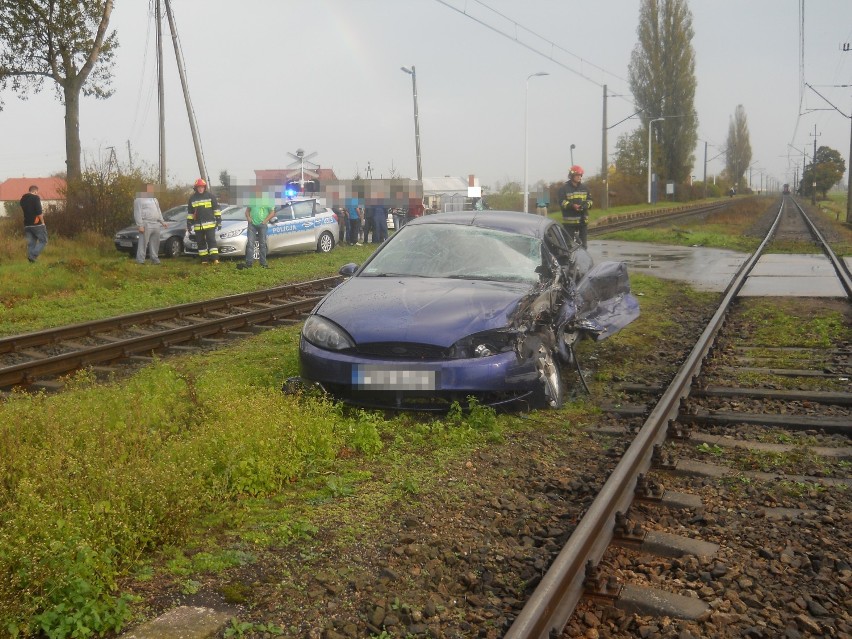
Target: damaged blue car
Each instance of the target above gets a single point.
(483, 304)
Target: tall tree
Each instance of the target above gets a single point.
(662, 80)
(826, 171)
(631, 153)
(738, 148)
(66, 41)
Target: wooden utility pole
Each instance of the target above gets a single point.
(160, 96)
(202, 169)
(604, 160)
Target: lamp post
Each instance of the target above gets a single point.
(413, 75)
(526, 142)
(573, 146)
(650, 127)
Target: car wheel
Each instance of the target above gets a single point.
(325, 243)
(173, 247)
(551, 390)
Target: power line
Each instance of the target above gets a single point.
(552, 45)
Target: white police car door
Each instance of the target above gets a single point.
(295, 228)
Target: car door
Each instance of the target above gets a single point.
(294, 229)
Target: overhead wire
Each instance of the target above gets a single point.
(142, 78)
(552, 45)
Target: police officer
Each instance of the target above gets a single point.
(204, 219)
(575, 202)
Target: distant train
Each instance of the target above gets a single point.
(786, 189)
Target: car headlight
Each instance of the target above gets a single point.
(326, 334)
(232, 233)
(484, 344)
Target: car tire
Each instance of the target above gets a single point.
(325, 243)
(173, 247)
(551, 389)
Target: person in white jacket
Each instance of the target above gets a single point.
(149, 221)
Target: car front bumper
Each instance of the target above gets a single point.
(421, 385)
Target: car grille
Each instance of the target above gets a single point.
(402, 350)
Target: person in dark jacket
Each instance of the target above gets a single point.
(34, 229)
(575, 203)
(204, 220)
(380, 223)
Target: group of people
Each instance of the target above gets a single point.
(205, 219)
(358, 223)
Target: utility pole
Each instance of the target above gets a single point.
(813, 168)
(604, 159)
(705, 169)
(202, 170)
(849, 174)
(160, 96)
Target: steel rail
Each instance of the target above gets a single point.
(838, 264)
(555, 598)
(87, 329)
(29, 371)
(622, 222)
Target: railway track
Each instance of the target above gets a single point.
(728, 394)
(34, 360)
(639, 219)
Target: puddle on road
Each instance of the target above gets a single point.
(708, 269)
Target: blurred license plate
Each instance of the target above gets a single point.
(125, 243)
(388, 378)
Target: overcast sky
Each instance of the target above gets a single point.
(268, 77)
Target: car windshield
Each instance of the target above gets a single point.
(457, 251)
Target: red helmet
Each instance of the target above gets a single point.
(576, 170)
(200, 182)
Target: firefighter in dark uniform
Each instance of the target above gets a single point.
(204, 220)
(575, 202)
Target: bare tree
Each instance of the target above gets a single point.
(66, 41)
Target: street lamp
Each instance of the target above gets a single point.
(413, 75)
(573, 146)
(526, 143)
(650, 127)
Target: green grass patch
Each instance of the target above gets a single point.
(78, 281)
(787, 323)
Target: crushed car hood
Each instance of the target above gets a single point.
(423, 310)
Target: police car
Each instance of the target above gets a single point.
(298, 225)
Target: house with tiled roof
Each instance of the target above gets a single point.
(283, 177)
(51, 190)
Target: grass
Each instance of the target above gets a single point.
(77, 281)
(192, 464)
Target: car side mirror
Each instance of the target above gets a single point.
(348, 270)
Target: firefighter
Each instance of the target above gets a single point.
(575, 202)
(204, 219)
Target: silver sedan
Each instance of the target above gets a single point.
(302, 225)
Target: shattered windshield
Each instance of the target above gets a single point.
(457, 251)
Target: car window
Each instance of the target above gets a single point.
(303, 209)
(456, 251)
(234, 212)
(176, 214)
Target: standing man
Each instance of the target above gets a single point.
(34, 229)
(205, 219)
(575, 203)
(149, 220)
(380, 223)
(258, 217)
(353, 221)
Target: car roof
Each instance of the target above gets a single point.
(508, 221)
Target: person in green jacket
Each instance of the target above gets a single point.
(258, 216)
